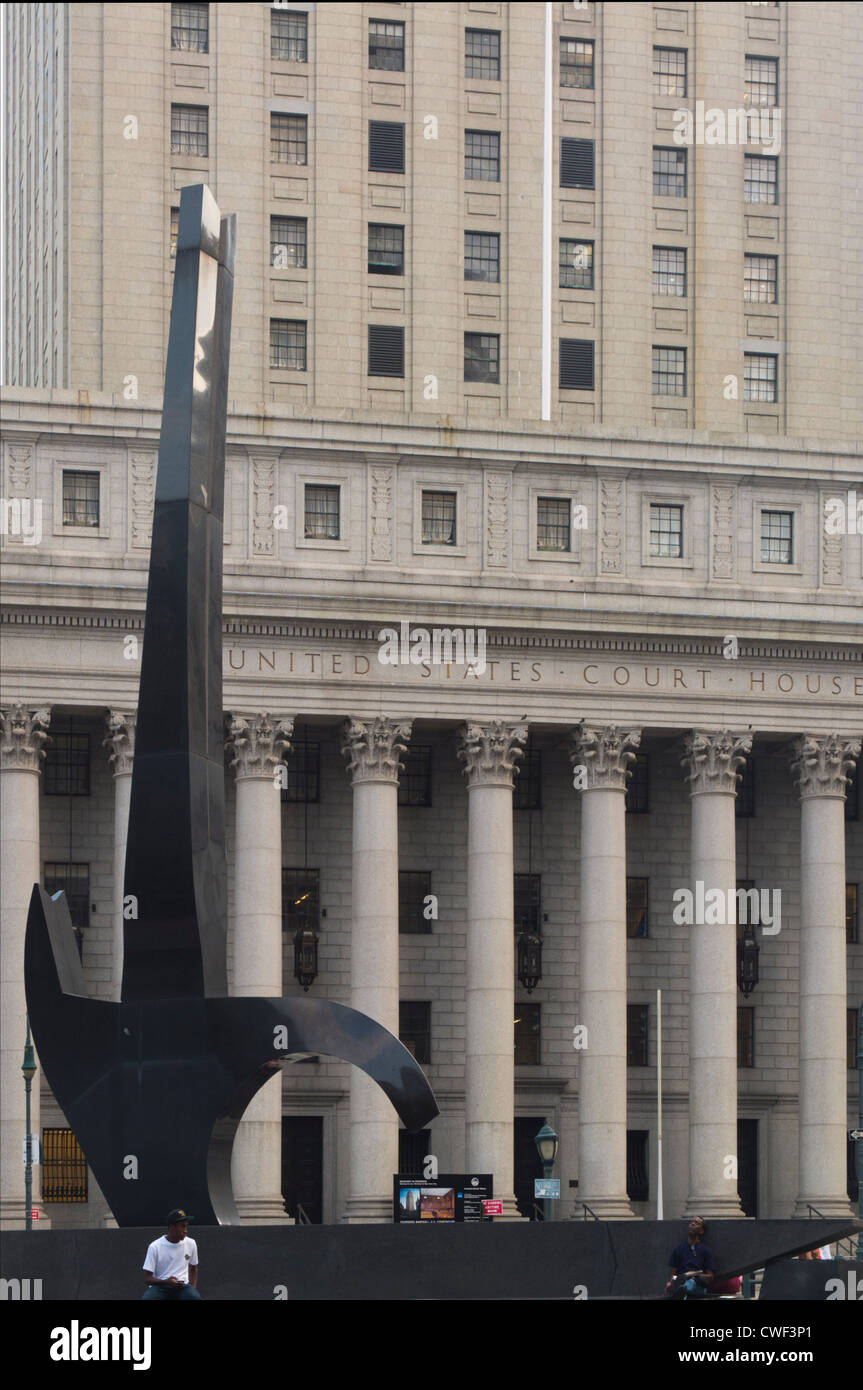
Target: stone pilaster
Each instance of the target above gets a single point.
(822, 764)
(258, 744)
(373, 749)
(713, 760)
(23, 734)
(121, 741)
(605, 754)
(490, 752)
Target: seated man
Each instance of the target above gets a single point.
(171, 1264)
(691, 1264)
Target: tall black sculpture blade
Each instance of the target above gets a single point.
(155, 1086)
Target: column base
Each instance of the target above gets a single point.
(12, 1216)
(832, 1208)
(605, 1208)
(510, 1210)
(368, 1211)
(263, 1211)
(717, 1208)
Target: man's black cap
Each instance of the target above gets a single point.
(178, 1215)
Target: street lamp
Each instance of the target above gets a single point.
(747, 962)
(546, 1146)
(28, 1068)
(529, 959)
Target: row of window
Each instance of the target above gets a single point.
(289, 42)
(289, 144)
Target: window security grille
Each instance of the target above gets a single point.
(304, 772)
(527, 1035)
(527, 788)
(64, 1167)
(527, 894)
(66, 770)
(746, 1037)
(638, 786)
(322, 512)
(300, 899)
(80, 498)
(386, 249)
(190, 28)
(636, 907)
(438, 518)
(289, 139)
(175, 227)
(288, 242)
(74, 881)
(415, 777)
(482, 54)
(575, 372)
(288, 344)
(577, 166)
(414, 888)
(289, 36)
(637, 1169)
(637, 1016)
(190, 130)
(386, 350)
(415, 1028)
(387, 147)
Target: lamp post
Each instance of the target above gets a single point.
(546, 1143)
(28, 1068)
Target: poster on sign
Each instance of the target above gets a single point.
(444, 1200)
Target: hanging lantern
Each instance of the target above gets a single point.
(305, 956)
(748, 951)
(529, 960)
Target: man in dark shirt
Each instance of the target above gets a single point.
(692, 1263)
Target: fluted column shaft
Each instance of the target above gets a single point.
(121, 741)
(489, 752)
(259, 744)
(373, 748)
(604, 755)
(713, 761)
(22, 737)
(822, 764)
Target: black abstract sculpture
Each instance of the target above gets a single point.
(155, 1086)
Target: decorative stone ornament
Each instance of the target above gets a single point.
(259, 744)
(24, 732)
(374, 748)
(606, 753)
(490, 752)
(121, 741)
(715, 760)
(822, 764)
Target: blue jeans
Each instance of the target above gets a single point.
(162, 1294)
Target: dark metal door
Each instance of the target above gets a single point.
(527, 1164)
(747, 1166)
(303, 1165)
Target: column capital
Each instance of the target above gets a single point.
(714, 759)
(606, 753)
(490, 751)
(373, 748)
(822, 763)
(121, 740)
(23, 732)
(258, 744)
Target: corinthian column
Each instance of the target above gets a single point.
(258, 744)
(22, 736)
(713, 760)
(604, 756)
(121, 741)
(489, 753)
(822, 763)
(373, 748)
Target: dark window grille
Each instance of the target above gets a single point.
(637, 1016)
(482, 54)
(386, 249)
(415, 1028)
(759, 279)
(415, 779)
(852, 794)
(387, 45)
(387, 147)
(414, 888)
(413, 1151)
(482, 357)
(852, 913)
(853, 1025)
(638, 786)
(74, 881)
(288, 344)
(190, 130)
(289, 138)
(527, 1035)
(288, 242)
(636, 907)
(438, 518)
(576, 62)
(482, 155)
(577, 163)
(853, 1184)
(666, 531)
(67, 765)
(553, 523)
(669, 371)
(575, 364)
(759, 376)
(669, 270)
(322, 511)
(289, 36)
(304, 772)
(637, 1168)
(190, 28)
(744, 802)
(64, 1167)
(175, 227)
(80, 498)
(761, 81)
(527, 784)
(482, 256)
(527, 893)
(301, 899)
(777, 538)
(669, 172)
(746, 1037)
(669, 72)
(386, 350)
(576, 264)
(760, 178)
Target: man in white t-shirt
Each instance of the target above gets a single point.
(171, 1264)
